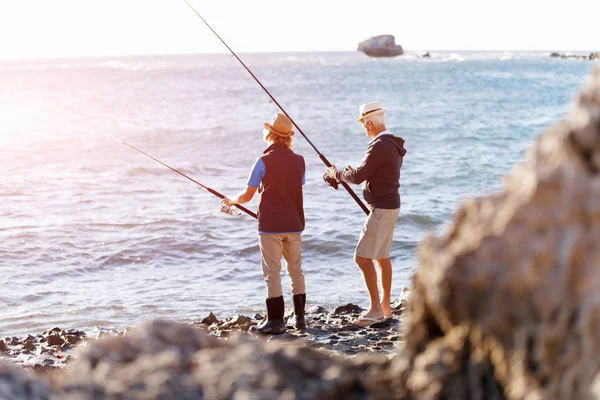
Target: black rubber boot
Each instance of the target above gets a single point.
(299, 302)
(274, 324)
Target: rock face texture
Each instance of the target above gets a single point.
(16, 384)
(506, 304)
(381, 46)
(166, 360)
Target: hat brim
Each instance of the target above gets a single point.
(269, 128)
(369, 115)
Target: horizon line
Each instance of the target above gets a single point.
(90, 56)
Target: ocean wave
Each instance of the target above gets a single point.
(15, 193)
(421, 220)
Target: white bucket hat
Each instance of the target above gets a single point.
(369, 109)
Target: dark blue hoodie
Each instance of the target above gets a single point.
(381, 170)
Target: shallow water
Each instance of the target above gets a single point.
(94, 234)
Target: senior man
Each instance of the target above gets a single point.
(380, 172)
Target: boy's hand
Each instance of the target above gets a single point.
(227, 201)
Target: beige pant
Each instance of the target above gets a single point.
(272, 248)
(377, 233)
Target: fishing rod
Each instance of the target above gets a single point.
(219, 195)
(321, 156)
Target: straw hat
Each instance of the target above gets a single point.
(369, 109)
(280, 125)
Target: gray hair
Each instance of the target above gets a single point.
(377, 119)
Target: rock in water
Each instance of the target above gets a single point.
(506, 304)
(211, 319)
(381, 46)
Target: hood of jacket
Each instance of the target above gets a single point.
(396, 140)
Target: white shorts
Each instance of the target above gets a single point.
(377, 233)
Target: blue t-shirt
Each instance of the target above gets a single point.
(258, 173)
(256, 176)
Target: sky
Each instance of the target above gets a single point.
(72, 28)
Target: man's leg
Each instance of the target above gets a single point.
(370, 277)
(385, 270)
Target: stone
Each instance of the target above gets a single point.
(239, 321)
(505, 304)
(347, 309)
(3, 346)
(209, 320)
(349, 328)
(381, 46)
(55, 340)
(316, 310)
(73, 340)
(28, 345)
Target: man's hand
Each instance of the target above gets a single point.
(331, 171)
(227, 201)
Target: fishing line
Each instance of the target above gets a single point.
(321, 156)
(212, 191)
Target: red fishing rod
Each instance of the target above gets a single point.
(219, 195)
(321, 156)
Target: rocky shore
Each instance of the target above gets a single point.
(330, 331)
(68, 364)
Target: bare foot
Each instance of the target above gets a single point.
(385, 307)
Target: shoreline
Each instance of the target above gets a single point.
(328, 331)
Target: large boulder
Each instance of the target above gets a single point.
(595, 56)
(167, 360)
(506, 303)
(381, 46)
(16, 384)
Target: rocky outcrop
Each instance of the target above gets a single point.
(381, 46)
(591, 56)
(506, 304)
(52, 349)
(166, 360)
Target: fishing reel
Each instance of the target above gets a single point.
(331, 181)
(229, 210)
